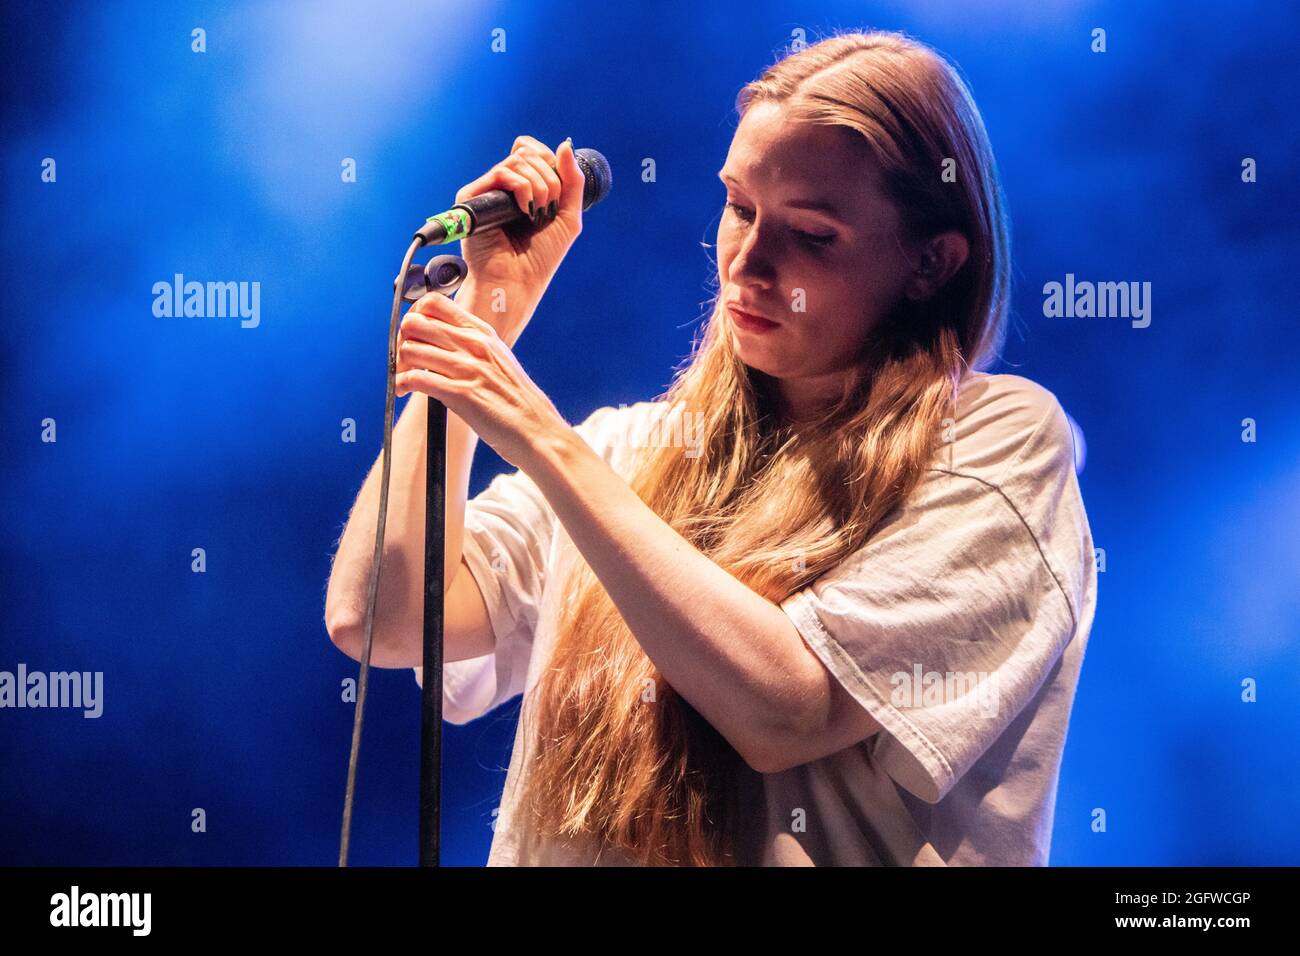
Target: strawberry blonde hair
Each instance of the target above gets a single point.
(624, 761)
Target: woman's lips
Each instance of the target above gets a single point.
(751, 323)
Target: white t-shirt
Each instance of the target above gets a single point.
(960, 626)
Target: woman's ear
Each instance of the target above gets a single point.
(936, 262)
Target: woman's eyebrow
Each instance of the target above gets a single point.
(816, 205)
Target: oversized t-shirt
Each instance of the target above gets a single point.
(960, 625)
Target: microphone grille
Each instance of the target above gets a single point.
(599, 180)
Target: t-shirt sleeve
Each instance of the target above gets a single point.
(509, 528)
(946, 623)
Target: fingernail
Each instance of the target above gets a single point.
(537, 219)
(531, 212)
(551, 207)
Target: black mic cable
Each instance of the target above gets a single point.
(373, 588)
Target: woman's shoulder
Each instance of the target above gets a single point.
(1007, 396)
(1004, 421)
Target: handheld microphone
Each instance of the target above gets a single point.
(497, 207)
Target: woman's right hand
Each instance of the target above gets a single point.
(521, 258)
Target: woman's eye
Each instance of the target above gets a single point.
(809, 239)
(740, 211)
(819, 242)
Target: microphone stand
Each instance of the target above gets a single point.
(435, 529)
(443, 274)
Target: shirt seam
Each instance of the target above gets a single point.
(1038, 545)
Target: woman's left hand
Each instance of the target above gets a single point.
(448, 353)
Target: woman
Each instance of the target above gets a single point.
(845, 624)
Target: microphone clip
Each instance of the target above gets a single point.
(443, 274)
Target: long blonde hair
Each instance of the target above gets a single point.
(774, 505)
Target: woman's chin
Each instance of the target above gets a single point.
(760, 359)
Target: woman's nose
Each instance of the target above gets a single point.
(754, 262)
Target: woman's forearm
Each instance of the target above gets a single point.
(399, 607)
(732, 654)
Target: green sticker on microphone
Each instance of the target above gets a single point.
(455, 222)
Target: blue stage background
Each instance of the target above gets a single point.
(222, 689)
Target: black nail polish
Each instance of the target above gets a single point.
(540, 215)
(551, 209)
(530, 208)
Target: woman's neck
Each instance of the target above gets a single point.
(803, 400)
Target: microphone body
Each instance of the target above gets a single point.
(497, 207)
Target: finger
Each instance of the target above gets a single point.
(531, 169)
(437, 306)
(438, 386)
(573, 182)
(421, 328)
(426, 332)
(475, 338)
(478, 186)
(553, 187)
(455, 365)
(449, 338)
(415, 355)
(499, 177)
(533, 145)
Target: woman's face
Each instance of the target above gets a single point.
(807, 241)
